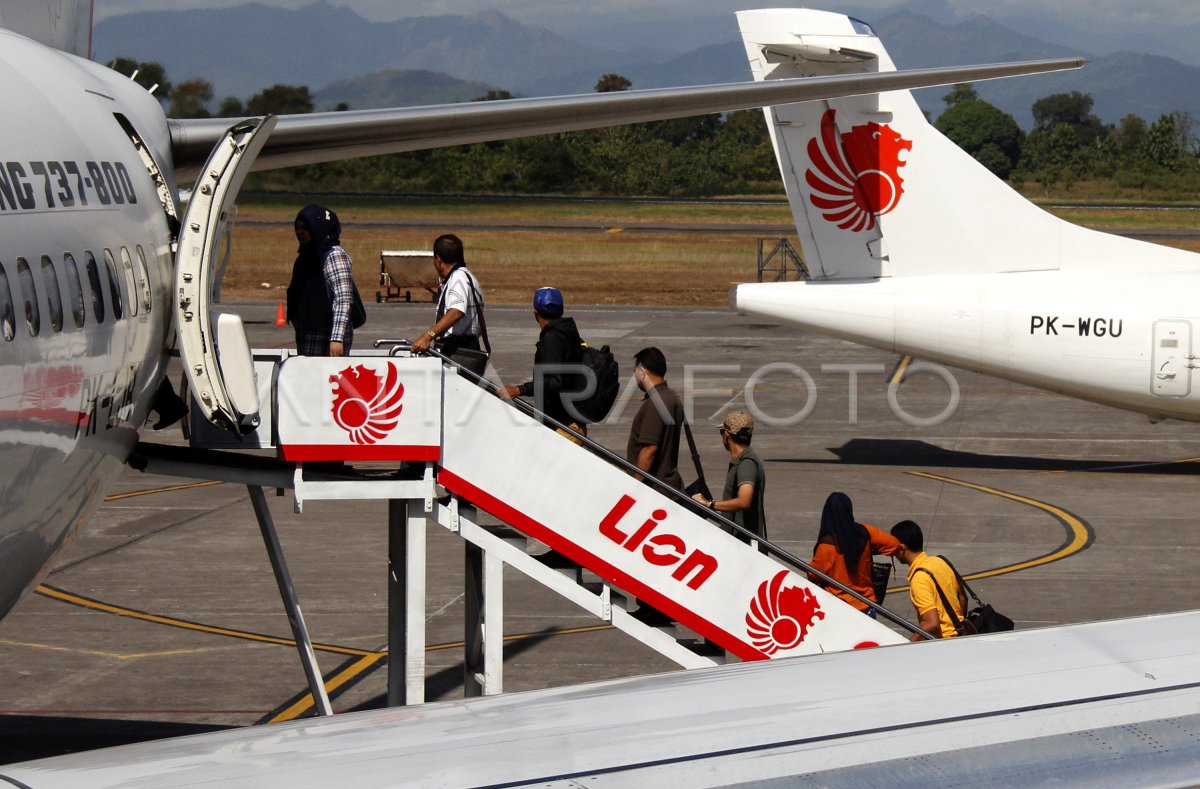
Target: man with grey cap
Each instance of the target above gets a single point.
(743, 497)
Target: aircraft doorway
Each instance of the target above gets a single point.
(1172, 358)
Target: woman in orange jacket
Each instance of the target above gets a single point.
(844, 549)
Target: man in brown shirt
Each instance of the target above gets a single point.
(654, 437)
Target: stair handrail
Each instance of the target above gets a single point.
(665, 488)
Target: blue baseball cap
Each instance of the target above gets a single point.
(548, 302)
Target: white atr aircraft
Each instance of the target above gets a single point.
(87, 268)
(915, 247)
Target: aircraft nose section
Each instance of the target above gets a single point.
(733, 297)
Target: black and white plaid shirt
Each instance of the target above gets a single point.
(337, 270)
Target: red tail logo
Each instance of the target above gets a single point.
(855, 176)
(365, 407)
(779, 618)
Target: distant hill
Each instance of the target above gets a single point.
(398, 88)
(243, 49)
(1121, 83)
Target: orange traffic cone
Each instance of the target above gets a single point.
(281, 316)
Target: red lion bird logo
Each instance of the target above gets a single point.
(365, 407)
(855, 176)
(779, 617)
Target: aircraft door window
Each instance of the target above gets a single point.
(144, 279)
(7, 317)
(53, 294)
(130, 285)
(93, 272)
(74, 289)
(33, 313)
(113, 287)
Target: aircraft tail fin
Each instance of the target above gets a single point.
(875, 189)
(62, 24)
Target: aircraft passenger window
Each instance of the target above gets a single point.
(53, 294)
(8, 320)
(113, 288)
(94, 281)
(33, 314)
(144, 279)
(74, 289)
(130, 285)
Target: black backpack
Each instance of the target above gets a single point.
(607, 376)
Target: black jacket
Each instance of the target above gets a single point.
(559, 345)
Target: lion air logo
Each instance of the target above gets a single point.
(855, 176)
(780, 617)
(363, 405)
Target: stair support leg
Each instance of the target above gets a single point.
(283, 578)
(483, 660)
(406, 602)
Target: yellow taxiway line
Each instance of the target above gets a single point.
(1080, 535)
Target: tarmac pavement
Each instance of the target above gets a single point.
(162, 617)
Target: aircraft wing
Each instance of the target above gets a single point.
(1105, 703)
(328, 136)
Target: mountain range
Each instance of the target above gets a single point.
(343, 57)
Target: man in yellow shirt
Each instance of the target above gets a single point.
(923, 571)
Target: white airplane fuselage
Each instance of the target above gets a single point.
(72, 396)
(1098, 338)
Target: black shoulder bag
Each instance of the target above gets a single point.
(982, 617)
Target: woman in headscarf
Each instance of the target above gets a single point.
(844, 549)
(320, 297)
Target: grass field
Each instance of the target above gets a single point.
(590, 266)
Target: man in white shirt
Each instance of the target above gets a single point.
(459, 310)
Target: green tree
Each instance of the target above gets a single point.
(961, 92)
(190, 99)
(1054, 155)
(1168, 142)
(982, 130)
(612, 83)
(494, 94)
(1129, 134)
(231, 107)
(281, 100)
(1073, 109)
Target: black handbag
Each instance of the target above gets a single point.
(358, 312)
(986, 619)
(881, 576)
(982, 617)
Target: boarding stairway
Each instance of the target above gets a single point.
(456, 450)
(495, 473)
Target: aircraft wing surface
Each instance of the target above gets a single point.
(328, 136)
(1107, 703)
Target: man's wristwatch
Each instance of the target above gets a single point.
(432, 334)
(712, 504)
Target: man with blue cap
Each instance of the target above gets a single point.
(557, 362)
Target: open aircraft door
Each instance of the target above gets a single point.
(216, 355)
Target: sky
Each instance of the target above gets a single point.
(1163, 27)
